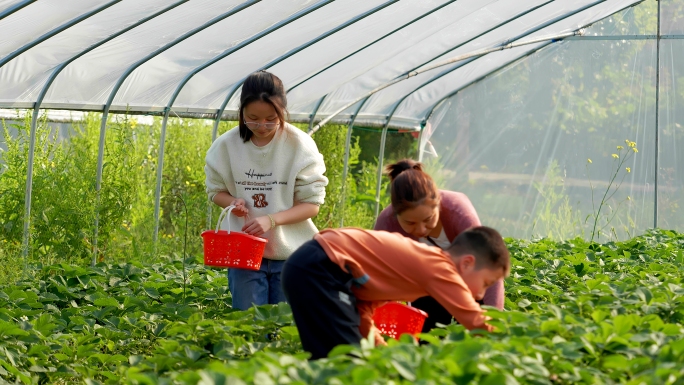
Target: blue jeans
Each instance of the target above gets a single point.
(249, 287)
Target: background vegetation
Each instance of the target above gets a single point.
(64, 197)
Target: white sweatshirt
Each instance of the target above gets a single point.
(270, 179)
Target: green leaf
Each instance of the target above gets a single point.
(363, 375)
(108, 301)
(152, 292)
(644, 294)
(615, 361)
(404, 370)
(622, 324)
(524, 303)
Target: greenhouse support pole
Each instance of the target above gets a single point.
(657, 128)
(315, 111)
(15, 8)
(214, 135)
(381, 158)
(32, 139)
(27, 196)
(195, 71)
(347, 149)
(420, 139)
(160, 169)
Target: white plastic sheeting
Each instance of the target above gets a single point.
(398, 37)
(534, 145)
(497, 125)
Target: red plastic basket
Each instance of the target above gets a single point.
(232, 249)
(394, 319)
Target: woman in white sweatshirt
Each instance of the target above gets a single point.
(273, 173)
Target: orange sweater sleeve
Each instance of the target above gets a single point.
(366, 309)
(452, 293)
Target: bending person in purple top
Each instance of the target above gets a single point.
(435, 217)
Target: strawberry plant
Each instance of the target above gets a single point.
(576, 312)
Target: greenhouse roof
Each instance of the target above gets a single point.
(190, 57)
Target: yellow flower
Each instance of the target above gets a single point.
(589, 161)
(188, 168)
(133, 123)
(615, 156)
(620, 147)
(628, 169)
(635, 149)
(629, 198)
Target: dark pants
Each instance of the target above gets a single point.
(436, 312)
(323, 306)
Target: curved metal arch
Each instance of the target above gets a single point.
(312, 130)
(59, 69)
(396, 105)
(32, 138)
(373, 42)
(15, 8)
(55, 31)
(509, 20)
(476, 54)
(315, 111)
(438, 102)
(167, 46)
(134, 66)
(186, 79)
(519, 15)
(219, 112)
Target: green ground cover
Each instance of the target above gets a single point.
(576, 312)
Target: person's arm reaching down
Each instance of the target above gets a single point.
(452, 293)
(366, 310)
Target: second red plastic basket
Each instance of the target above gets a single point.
(394, 319)
(232, 249)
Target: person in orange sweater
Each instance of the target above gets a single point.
(334, 282)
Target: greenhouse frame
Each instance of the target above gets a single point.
(519, 104)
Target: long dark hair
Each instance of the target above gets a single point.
(266, 87)
(410, 186)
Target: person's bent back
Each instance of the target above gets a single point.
(335, 282)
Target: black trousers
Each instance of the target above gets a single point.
(323, 306)
(436, 312)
